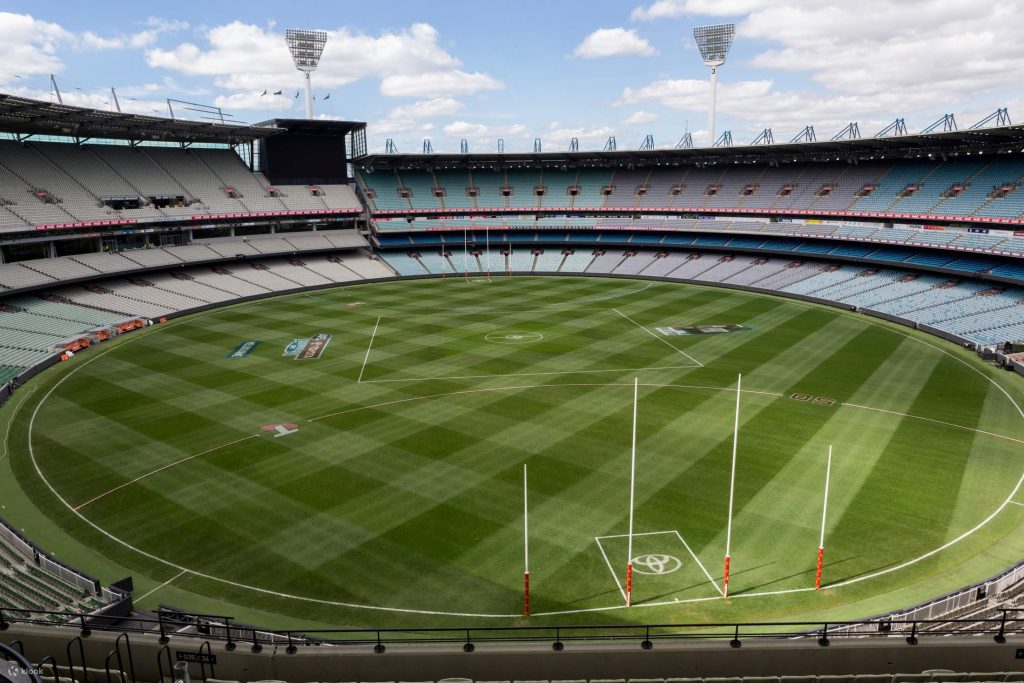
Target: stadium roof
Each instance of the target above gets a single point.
(1002, 139)
(23, 116)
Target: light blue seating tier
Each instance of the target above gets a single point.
(385, 185)
(852, 250)
(549, 260)
(931, 258)
(403, 263)
(591, 182)
(521, 259)
(454, 184)
(935, 185)
(557, 184)
(1012, 245)
(421, 185)
(976, 194)
(576, 262)
(434, 262)
(523, 184)
(824, 279)
(489, 183)
(896, 289)
(891, 184)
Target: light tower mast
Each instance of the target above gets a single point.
(306, 48)
(714, 43)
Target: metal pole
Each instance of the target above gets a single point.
(53, 82)
(711, 110)
(632, 486)
(732, 489)
(309, 96)
(824, 513)
(526, 548)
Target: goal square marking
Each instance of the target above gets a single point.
(655, 564)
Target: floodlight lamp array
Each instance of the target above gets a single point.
(714, 42)
(306, 47)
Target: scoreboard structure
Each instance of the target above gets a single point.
(310, 152)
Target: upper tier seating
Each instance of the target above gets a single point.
(869, 186)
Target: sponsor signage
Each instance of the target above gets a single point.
(689, 330)
(308, 349)
(314, 347)
(243, 349)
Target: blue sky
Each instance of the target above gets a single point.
(521, 70)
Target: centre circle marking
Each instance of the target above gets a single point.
(513, 337)
(656, 564)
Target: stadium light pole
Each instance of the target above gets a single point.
(306, 47)
(714, 43)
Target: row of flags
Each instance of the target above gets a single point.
(278, 92)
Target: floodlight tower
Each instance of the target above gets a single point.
(306, 48)
(714, 43)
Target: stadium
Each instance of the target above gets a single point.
(278, 406)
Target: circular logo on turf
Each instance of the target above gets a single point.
(656, 564)
(514, 337)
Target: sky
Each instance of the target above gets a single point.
(525, 69)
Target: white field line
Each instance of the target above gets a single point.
(615, 576)
(536, 386)
(368, 347)
(1016, 503)
(934, 421)
(662, 340)
(526, 374)
(700, 564)
(161, 469)
(162, 585)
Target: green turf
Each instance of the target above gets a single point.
(402, 488)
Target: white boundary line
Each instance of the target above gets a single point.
(615, 576)
(161, 469)
(933, 421)
(662, 340)
(145, 334)
(10, 421)
(162, 585)
(1016, 503)
(369, 346)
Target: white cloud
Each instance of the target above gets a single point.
(869, 61)
(257, 100)
(140, 39)
(411, 117)
(640, 116)
(670, 9)
(28, 46)
(478, 131)
(558, 136)
(611, 42)
(245, 57)
(446, 83)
